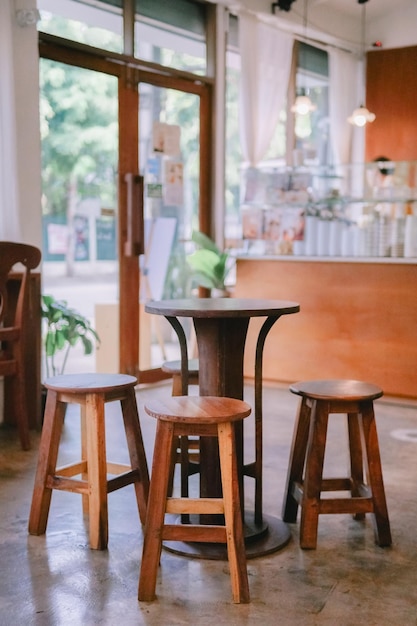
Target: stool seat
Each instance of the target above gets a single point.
(341, 389)
(174, 367)
(90, 383)
(202, 416)
(91, 392)
(305, 482)
(198, 409)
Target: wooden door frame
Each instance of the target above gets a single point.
(130, 72)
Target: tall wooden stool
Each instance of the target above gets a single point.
(203, 416)
(91, 392)
(174, 368)
(305, 482)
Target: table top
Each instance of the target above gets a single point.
(221, 307)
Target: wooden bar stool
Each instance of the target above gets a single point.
(202, 416)
(91, 392)
(174, 368)
(188, 448)
(305, 482)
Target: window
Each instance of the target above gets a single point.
(172, 34)
(169, 33)
(309, 136)
(312, 130)
(98, 24)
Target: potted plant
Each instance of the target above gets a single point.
(210, 266)
(64, 328)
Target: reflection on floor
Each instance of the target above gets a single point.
(57, 580)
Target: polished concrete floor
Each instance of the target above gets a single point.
(57, 580)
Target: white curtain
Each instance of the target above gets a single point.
(265, 68)
(9, 216)
(344, 72)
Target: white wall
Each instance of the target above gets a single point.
(398, 30)
(26, 72)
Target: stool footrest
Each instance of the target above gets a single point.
(194, 533)
(117, 468)
(72, 470)
(195, 505)
(353, 506)
(122, 480)
(67, 484)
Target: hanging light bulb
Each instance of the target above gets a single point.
(362, 116)
(303, 104)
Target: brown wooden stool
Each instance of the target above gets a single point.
(188, 448)
(305, 482)
(91, 392)
(174, 368)
(202, 416)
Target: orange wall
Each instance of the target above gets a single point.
(392, 95)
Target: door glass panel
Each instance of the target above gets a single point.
(172, 34)
(79, 126)
(96, 25)
(169, 160)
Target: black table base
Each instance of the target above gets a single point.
(260, 539)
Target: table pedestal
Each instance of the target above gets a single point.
(260, 539)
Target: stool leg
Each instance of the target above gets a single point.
(97, 471)
(296, 462)
(152, 542)
(136, 451)
(313, 474)
(84, 457)
(176, 385)
(356, 458)
(47, 458)
(232, 513)
(375, 479)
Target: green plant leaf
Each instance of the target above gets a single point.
(204, 242)
(64, 328)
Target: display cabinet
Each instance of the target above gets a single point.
(355, 210)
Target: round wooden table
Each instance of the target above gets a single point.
(221, 326)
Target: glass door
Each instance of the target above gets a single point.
(169, 161)
(105, 125)
(79, 131)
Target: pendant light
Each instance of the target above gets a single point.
(303, 104)
(361, 115)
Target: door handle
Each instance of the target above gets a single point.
(134, 244)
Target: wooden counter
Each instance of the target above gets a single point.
(357, 320)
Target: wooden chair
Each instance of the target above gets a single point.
(204, 416)
(91, 392)
(12, 329)
(305, 482)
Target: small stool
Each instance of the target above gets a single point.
(91, 392)
(174, 368)
(203, 416)
(188, 448)
(319, 398)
